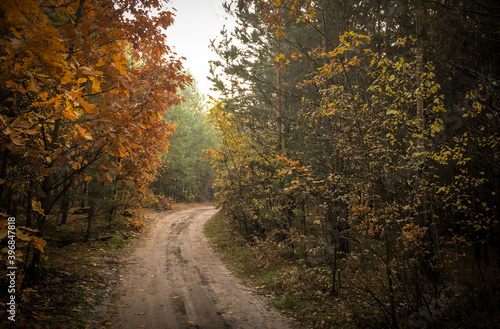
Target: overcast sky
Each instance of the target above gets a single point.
(196, 23)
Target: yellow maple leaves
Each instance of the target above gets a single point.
(96, 84)
(120, 62)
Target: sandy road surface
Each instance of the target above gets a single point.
(174, 280)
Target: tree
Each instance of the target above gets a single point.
(370, 142)
(84, 85)
(185, 175)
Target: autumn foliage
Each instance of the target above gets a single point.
(361, 149)
(83, 87)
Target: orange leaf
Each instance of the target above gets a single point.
(37, 206)
(22, 236)
(38, 243)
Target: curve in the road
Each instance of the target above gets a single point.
(174, 280)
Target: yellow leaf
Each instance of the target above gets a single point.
(28, 229)
(120, 63)
(83, 133)
(280, 57)
(43, 96)
(38, 243)
(100, 62)
(71, 113)
(22, 236)
(354, 61)
(67, 78)
(96, 85)
(37, 206)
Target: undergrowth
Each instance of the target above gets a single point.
(304, 293)
(272, 277)
(234, 250)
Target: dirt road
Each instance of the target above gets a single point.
(174, 280)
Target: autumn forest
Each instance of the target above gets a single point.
(352, 148)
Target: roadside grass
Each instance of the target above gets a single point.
(240, 256)
(234, 250)
(269, 276)
(118, 240)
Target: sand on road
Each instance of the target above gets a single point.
(174, 280)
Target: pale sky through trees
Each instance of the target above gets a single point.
(196, 23)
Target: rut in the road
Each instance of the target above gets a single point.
(174, 280)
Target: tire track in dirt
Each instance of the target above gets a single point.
(174, 280)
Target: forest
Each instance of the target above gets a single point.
(91, 98)
(353, 146)
(360, 151)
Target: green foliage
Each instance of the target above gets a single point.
(185, 176)
(285, 303)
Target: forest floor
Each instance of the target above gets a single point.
(168, 277)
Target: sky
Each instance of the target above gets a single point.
(196, 23)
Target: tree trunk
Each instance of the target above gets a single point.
(332, 241)
(29, 207)
(392, 302)
(84, 194)
(89, 223)
(64, 208)
(279, 105)
(3, 176)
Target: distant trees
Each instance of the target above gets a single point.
(356, 131)
(185, 175)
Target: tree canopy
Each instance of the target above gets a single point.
(83, 86)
